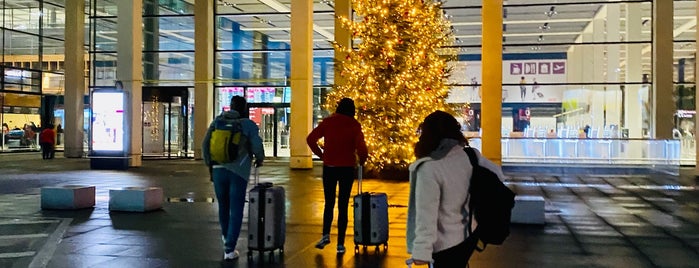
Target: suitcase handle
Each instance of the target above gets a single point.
(256, 174)
(359, 179)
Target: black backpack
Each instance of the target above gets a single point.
(491, 202)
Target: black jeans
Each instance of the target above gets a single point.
(456, 256)
(46, 150)
(331, 177)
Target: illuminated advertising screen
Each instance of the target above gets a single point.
(108, 121)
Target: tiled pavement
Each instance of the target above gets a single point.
(591, 220)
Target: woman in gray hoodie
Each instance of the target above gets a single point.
(439, 181)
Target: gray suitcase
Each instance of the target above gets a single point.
(266, 218)
(370, 218)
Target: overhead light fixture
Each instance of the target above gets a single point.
(545, 27)
(552, 12)
(541, 38)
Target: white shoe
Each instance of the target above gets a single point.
(231, 255)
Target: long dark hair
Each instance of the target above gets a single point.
(437, 126)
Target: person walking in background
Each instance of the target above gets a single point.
(231, 179)
(47, 140)
(59, 133)
(522, 88)
(343, 142)
(437, 206)
(535, 86)
(5, 133)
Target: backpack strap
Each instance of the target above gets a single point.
(473, 158)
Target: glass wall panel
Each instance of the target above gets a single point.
(244, 68)
(104, 66)
(561, 23)
(22, 16)
(104, 7)
(105, 34)
(168, 7)
(59, 3)
(171, 33)
(684, 60)
(22, 80)
(54, 21)
(53, 50)
(172, 67)
(588, 63)
(21, 44)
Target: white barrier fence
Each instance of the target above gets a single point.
(591, 151)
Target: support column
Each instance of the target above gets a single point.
(343, 9)
(633, 109)
(74, 78)
(130, 73)
(662, 105)
(492, 80)
(203, 71)
(301, 82)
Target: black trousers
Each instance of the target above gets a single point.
(46, 150)
(456, 256)
(332, 176)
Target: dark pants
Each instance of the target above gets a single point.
(331, 177)
(456, 256)
(46, 150)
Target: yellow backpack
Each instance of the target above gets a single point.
(227, 141)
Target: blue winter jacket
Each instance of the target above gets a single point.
(242, 165)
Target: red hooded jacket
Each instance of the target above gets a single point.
(343, 141)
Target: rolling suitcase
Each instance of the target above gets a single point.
(370, 218)
(266, 217)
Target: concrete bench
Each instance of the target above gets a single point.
(529, 209)
(67, 197)
(136, 199)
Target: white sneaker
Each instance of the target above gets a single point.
(231, 255)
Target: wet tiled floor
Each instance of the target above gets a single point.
(591, 220)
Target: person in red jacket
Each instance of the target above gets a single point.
(47, 139)
(343, 142)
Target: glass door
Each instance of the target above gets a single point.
(273, 123)
(166, 121)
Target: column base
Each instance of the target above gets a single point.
(301, 162)
(135, 160)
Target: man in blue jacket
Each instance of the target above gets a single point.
(231, 179)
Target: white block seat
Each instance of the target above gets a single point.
(529, 209)
(68, 197)
(136, 199)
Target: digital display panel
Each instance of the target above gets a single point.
(108, 121)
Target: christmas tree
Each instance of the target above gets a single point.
(396, 75)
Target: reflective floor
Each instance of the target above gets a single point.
(591, 220)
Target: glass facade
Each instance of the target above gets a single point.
(31, 47)
(566, 65)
